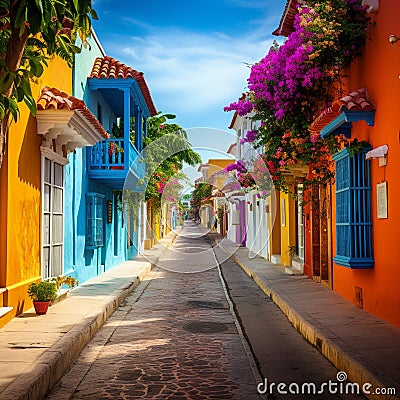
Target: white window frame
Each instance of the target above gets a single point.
(62, 161)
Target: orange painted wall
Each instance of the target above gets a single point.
(379, 71)
(20, 197)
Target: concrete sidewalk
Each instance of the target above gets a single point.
(363, 346)
(35, 351)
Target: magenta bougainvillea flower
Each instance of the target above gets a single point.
(296, 80)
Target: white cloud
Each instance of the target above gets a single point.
(194, 71)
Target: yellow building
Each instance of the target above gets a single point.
(20, 201)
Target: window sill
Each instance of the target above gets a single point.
(354, 263)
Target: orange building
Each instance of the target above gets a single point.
(378, 70)
(365, 198)
(352, 227)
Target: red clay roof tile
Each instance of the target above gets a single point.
(286, 24)
(355, 101)
(108, 67)
(58, 100)
(233, 120)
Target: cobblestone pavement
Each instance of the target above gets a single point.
(174, 338)
(282, 354)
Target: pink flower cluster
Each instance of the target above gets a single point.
(282, 77)
(237, 166)
(161, 184)
(250, 137)
(172, 190)
(243, 107)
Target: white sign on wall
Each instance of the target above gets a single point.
(382, 202)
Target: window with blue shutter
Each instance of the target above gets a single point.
(353, 211)
(94, 220)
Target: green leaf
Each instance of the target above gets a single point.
(14, 110)
(83, 27)
(21, 18)
(36, 67)
(76, 4)
(26, 87)
(93, 13)
(63, 49)
(49, 10)
(31, 104)
(75, 49)
(35, 19)
(6, 81)
(39, 5)
(2, 109)
(20, 94)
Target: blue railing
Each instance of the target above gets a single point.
(110, 154)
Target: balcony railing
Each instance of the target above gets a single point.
(107, 154)
(106, 161)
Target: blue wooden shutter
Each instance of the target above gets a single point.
(343, 206)
(362, 218)
(353, 211)
(94, 220)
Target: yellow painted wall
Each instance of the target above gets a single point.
(274, 221)
(157, 225)
(288, 229)
(216, 165)
(166, 213)
(20, 197)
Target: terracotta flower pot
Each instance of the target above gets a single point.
(41, 307)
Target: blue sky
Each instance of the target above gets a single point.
(193, 54)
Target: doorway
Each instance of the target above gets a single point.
(321, 244)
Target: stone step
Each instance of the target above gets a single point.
(4, 311)
(298, 264)
(275, 258)
(292, 271)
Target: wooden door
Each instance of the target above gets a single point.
(321, 235)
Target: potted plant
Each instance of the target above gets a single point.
(42, 294)
(292, 252)
(65, 280)
(62, 281)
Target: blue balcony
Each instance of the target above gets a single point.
(120, 97)
(109, 162)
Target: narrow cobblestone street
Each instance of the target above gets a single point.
(176, 337)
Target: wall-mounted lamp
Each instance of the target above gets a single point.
(393, 39)
(380, 153)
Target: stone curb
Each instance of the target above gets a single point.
(55, 361)
(340, 357)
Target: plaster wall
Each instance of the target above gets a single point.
(378, 70)
(79, 261)
(20, 198)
